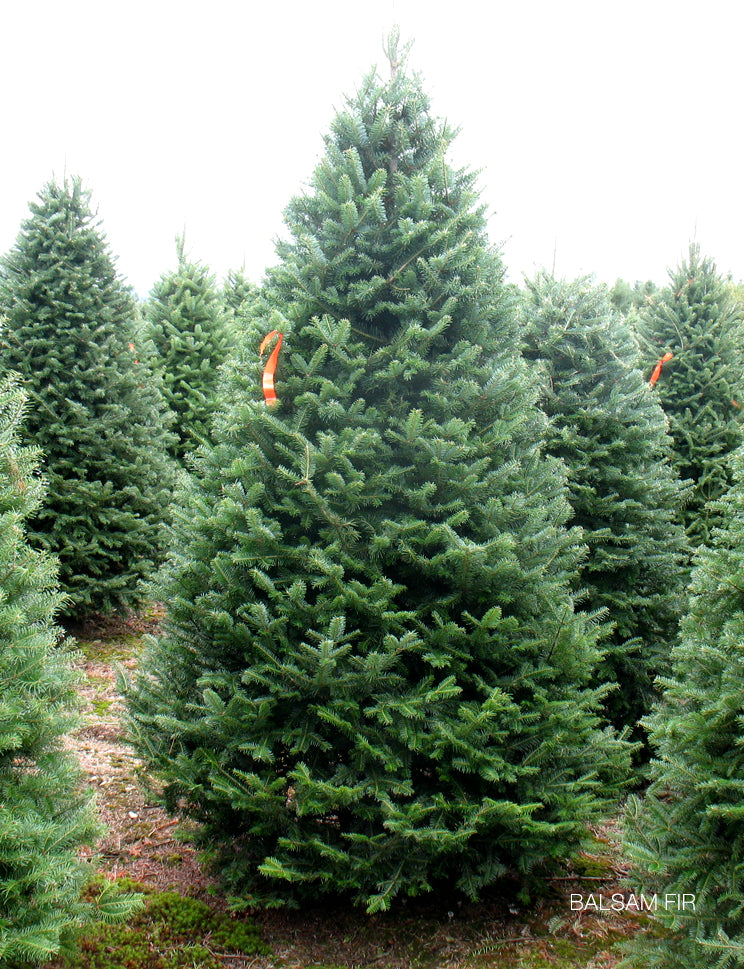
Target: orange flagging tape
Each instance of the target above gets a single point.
(270, 368)
(657, 369)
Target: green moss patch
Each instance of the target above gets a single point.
(171, 932)
(116, 648)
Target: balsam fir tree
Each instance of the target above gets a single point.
(686, 837)
(45, 818)
(372, 680)
(188, 326)
(608, 427)
(97, 412)
(239, 296)
(701, 386)
(628, 299)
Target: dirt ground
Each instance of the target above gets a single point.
(139, 840)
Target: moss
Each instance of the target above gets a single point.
(588, 865)
(172, 931)
(107, 649)
(577, 957)
(101, 707)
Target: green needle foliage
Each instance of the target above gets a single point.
(701, 389)
(44, 816)
(187, 324)
(97, 412)
(687, 834)
(629, 299)
(239, 296)
(609, 428)
(373, 682)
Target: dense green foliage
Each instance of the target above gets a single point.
(687, 834)
(626, 298)
(44, 818)
(702, 388)
(737, 294)
(609, 428)
(188, 326)
(372, 679)
(97, 413)
(239, 296)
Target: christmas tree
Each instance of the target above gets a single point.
(629, 299)
(373, 681)
(693, 328)
(608, 427)
(97, 412)
(686, 837)
(44, 817)
(188, 326)
(239, 296)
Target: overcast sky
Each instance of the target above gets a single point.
(608, 134)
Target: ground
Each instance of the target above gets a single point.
(144, 845)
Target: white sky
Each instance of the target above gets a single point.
(608, 134)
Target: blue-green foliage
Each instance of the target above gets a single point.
(96, 410)
(188, 326)
(701, 388)
(687, 835)
(608, 426)
(44, 817)
(372, 680)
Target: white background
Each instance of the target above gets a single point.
(608, 134)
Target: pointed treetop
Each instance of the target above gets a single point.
(396, 56)
(181, 247)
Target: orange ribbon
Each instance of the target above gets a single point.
(657, 369)
(270, 368)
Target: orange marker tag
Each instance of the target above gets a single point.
(657, 369)
(270, 368)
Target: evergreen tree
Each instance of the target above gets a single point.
(737, 294)
(373, 681)
(44, 817)
(702, 386)
(98, 414)
(239, 296)
(686, 836)
(188, 327)
(610, 430)
(626, 298)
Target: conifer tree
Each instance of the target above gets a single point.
(608, 427)
(44, 817)
(686, 837)
(373, 681)
(701, 387)
(97, 412)
(627, 299)
(188, 326)
(239, 296)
